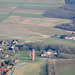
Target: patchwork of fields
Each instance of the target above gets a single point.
(23, 19)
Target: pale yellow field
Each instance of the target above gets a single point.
(48, 22)
(31, 28)
(31, 69)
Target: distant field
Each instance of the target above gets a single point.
(67, 70)
(23, 19)
(59, 41)
(31, 69)
(30, 28)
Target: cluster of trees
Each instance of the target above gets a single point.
(60, 13)
(63, 51)
(70, 1)
(5, 52)
(66, 26)
(67, 11)
(55, 47)
(7, 62)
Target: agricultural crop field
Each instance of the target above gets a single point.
(22, 56)
(23, 19)
(66, 67)
(31, 69)
(61, 66)
(67, 70)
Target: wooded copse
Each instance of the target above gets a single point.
(70, 1)
(63, 51)
(65, 12)
(66, 26)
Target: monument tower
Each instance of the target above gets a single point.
(33, 55)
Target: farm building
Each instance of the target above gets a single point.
(6, 55)
(49, 52)
(70, 38)
(17, 60)
(1, 49)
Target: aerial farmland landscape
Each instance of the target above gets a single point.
(37, 37)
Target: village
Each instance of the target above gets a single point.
(9, 48)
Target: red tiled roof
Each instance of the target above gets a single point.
(49, 50)
(4, 69)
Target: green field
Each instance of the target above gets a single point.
(28, 15)
(3, 17)
(59, 41)
(43, 5)
(67, 70)
(22, 55)
(31, 69)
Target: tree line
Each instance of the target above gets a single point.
(65, 12)
(63, 51)
(70, 1)
(66, 26)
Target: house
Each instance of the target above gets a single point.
(70, 37)
(5, 70)
(1, 49)
(21, 43)
(44, 54)
(15, 42)
(49, 52)
(17, 60)
(6, 56)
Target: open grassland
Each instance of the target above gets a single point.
(31, 69)
(67, 70)
(59, 41)
(22, 55)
